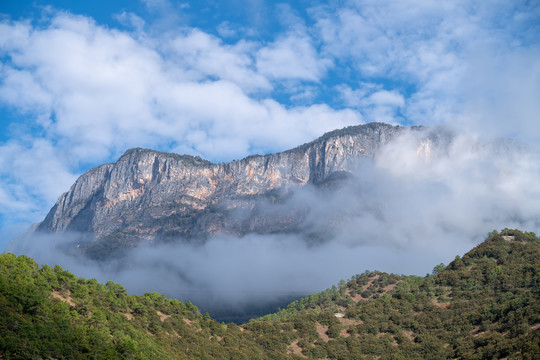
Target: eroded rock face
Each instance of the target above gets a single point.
(148, 195)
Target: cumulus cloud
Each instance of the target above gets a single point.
(21, 194)
(292, 57)
(454, 62)
(131, 20)
(105, 83)
(205, 56)
(376, 103)
(92, 92)
(389, 98)
(225, 30)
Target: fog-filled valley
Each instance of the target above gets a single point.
(422, 199)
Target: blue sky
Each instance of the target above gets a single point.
(81, 82)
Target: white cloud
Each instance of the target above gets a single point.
(292, 57)
(92, 92)
(17, 82)
(131, 20)
(456, 57)
(226, 30)
(105, 83)
(169, 15)
(376, 104)
(503, 92)
(31, 179)
(384, 97)
(204, 55)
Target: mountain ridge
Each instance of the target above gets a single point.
(148, 194)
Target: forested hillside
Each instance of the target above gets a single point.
(483, 305)
(49, 313)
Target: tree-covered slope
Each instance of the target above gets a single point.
(362, 287)
(49, 313)
(484, 305)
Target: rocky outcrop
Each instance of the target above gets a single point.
(148, 195)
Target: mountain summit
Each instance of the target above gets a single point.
(148, 195)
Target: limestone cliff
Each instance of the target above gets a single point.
(148, 195)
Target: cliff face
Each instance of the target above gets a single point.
(147, 194)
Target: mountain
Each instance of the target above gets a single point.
(149, 196)
(484, 305)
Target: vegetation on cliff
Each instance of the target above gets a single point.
(483, 305)
(186, 159)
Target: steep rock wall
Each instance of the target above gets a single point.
(147, 194)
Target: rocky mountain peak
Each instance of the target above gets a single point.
(149, 194)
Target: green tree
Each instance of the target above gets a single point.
(438, 269)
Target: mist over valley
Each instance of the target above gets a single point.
(414, 197)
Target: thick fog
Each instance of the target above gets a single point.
(422, 200)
